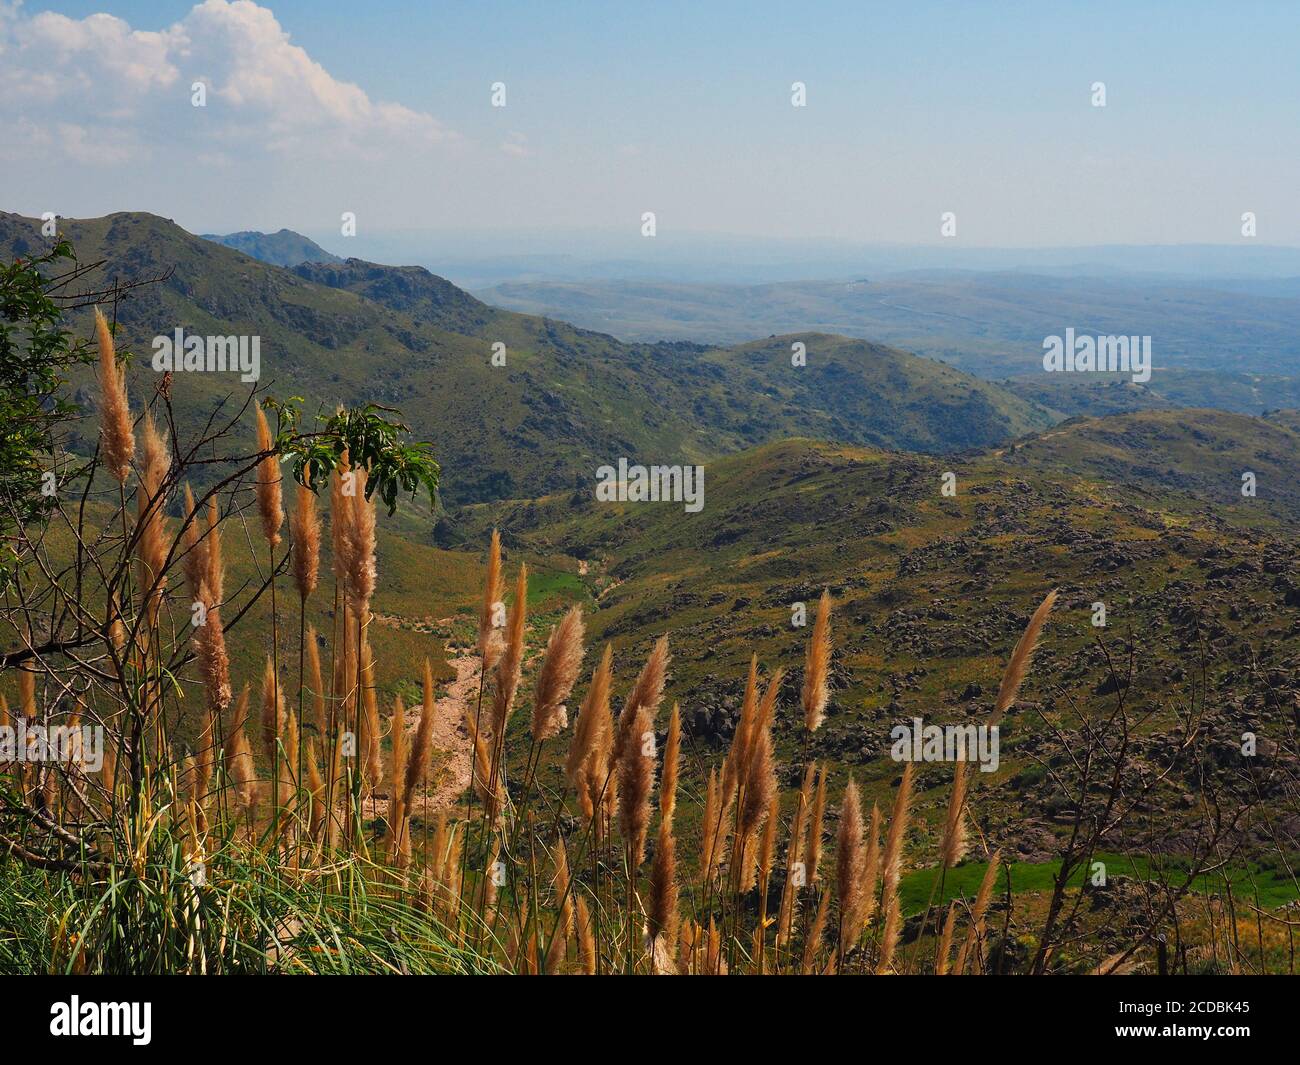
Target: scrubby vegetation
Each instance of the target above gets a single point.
(288, 823)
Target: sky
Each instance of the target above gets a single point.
(317, 107)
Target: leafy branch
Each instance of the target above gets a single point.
(368, 439)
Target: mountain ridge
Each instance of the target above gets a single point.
(281, 248)
(567, 399)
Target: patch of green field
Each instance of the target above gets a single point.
(1263, 884)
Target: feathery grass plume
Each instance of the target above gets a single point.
(585, 767)
(522, 949)
(1019, 664)
(27, 693)
(343, 683)
(481, 773)
(734, 765)
(317, 683)
(646, 693)
(304, 527)
(817, 830)
(116, 630)
(368, 741)
(889, 938)
(759, 787)
(713, 832)
(488, 897)
(272, 711)
(687, 939)
(270, 505)
(510, 664)
(661, 958)
(953, 848)
(555, 679)
(870, 869)
(447, 865)
(758, 764)
(945, 941)
(813, 942)
(341, 523)
(316, 791)
(560, 884)
(555, 954)
(975, 934)
(108, 773)
(239, 755)
(793, 858)
(213, 661)
(114, 411)
(664, 892)
(586, 939)
(490, 643)
(893, 860)
(209, 638)
(816, 668)
(715, 962)
(417, 767)
(151, 543)
(766, 856)
(361, 573)
(635, 783)
(195, 563)
(237, 723)
(216, 563)
(289, 763)
(848, 867)
(397, 776)
(767, 850)
(671, 767)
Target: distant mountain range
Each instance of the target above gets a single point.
(567, 399)
(988, 324)
(285, 248)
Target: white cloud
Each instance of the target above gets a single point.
(82, 79)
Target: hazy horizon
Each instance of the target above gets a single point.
(311, 112)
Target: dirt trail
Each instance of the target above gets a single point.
(451, 747)
(451, 736)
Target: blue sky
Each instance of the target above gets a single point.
(684, 110)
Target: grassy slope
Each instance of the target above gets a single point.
(932, 592)
(568, 399)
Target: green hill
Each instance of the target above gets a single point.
(285, 248)
(932, 592)
(567, 399)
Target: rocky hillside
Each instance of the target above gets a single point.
(566, 400)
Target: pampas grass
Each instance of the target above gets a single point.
(588, 764)
(816, 668)
(304, 528)
(1019, 664)
(151, 526)
(116, 437)
(489, 635)
(555, 680)
(270, 507)
(848, 866)
(418, 766)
